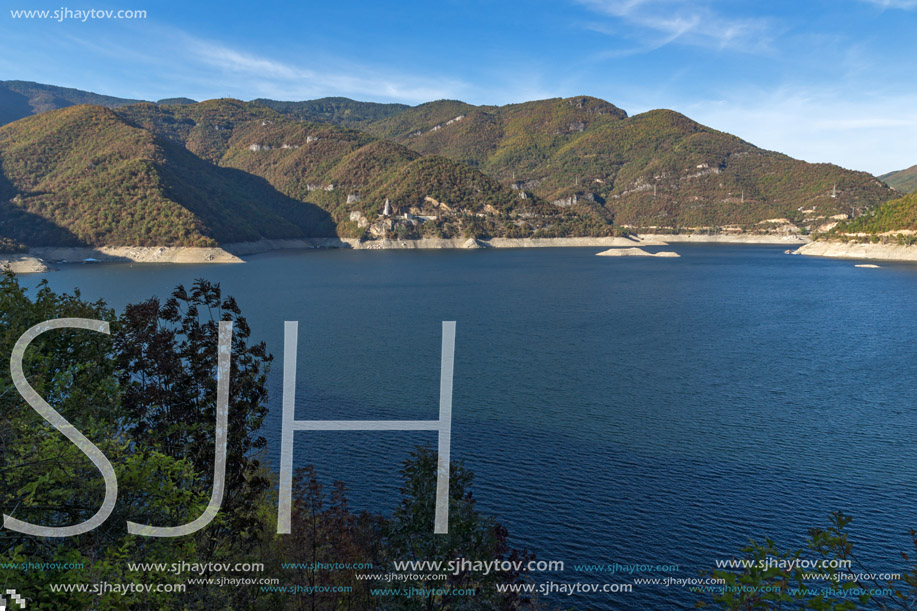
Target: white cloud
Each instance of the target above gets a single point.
(902, 4)
(267, 77)
(230, 60)
(691, 22)
(174, 62)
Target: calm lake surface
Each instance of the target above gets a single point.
(638, 411)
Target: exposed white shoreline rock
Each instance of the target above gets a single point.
(728, 238)
(136, 254)
(250, 248)
(634, 252)
(850, 250)
(23, 264)
(40, 259)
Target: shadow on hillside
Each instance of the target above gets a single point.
(235, 206)
(43, 237)
(13, 106)
(27, 227)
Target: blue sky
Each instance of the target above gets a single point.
(825, 81)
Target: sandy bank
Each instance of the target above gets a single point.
(136, 254)
(850, 250)
(728, 238)
(40, 259)
(23, 264)
(634, 252)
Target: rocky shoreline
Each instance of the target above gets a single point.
(729, 238)
(39, 260)
(634, 252)
(856, 250)
(23, 264)
(250, 248)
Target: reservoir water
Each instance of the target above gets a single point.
(629, 410)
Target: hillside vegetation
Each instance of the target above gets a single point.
(339, 111)
(659, 169)
(351, 174)
(226, 171)
(83, 176)
(19, 99)
(896, 219)
(219, 171)
(902, 180)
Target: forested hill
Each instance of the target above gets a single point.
(902, 180)
(186, 173)
(339, 111)
(226, 171)
(658, 169)
(19, 99)
(84, 176)
(898, 216)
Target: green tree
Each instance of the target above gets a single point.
(167, 359)
(472, 536)
(46, 480)
(145, 396)
(771, 580)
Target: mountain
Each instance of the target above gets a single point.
(19, 99)
(83, 176)
(227, 171)
(351, 174)
(655, 170)
(902, 180)
(224, 171)
(339, 111)
(173, 101)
